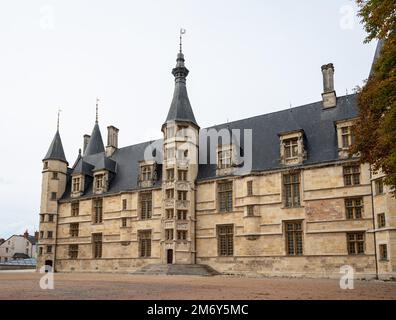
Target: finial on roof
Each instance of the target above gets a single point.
(57, 124)
(97, 111)
(182, 31)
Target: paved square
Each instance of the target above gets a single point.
(25, 285)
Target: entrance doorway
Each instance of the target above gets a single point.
(169, 256)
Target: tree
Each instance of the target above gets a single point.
(375, 129)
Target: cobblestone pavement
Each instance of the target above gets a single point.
(25, 285)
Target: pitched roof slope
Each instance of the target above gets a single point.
(317, 123)
(55, 151)
(180, 109)
(95, 144)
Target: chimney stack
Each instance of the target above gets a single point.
(112, 140)
(329, 95)
(86, 140)
(26, 234)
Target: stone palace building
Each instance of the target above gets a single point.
(275, 194)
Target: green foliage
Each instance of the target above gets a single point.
(375, 130)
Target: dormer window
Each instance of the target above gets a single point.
(292, 150)
(147, 173)
(99, 181)
(76, 184)
(345, 137)
(224, 158)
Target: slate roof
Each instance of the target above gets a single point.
(32, 240)
(318, 125)
(55, 151)
(180, 109)
(95, 144)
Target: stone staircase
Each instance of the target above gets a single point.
(177, 269)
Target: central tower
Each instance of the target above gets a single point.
(180, 169)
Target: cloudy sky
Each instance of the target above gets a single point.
(246, 57)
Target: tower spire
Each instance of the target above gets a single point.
(180, 109)
(57, 123)
(182, 31)
(97, 110)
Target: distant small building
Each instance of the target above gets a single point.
(18, 247)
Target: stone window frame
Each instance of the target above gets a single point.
(285, 137)
(55, 175)
(170, 193)
(75, 208)
(226, 169)
(144, 241)
(225, 234)
(285, 184)
(145, 205)
(297, 242)
(53, 196)
(101, 179)
(73, 251)
(124, 222)
(356, 206)
(381, 220)
(182, 235)
(97, 245)
(50, 234)
(51, 217)
(170, 174)
(229, 203)
(383, 252)
(76, 184)
(124, 204)
(147, 173)
(250, 210)
(169, 234)
(182, 195)
(74, 229)
(345, 136)
(351, 174)
(169, 213)
(181, 215)
(48, 249)
(182, 175)
(97, 210)
(249, 188)
(379, 186)
(354, 240)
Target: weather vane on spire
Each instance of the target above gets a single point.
(57, 124)
(182, 31)
(97, 111)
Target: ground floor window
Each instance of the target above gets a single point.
(145, 243)
(225, 239)
(97, 245)
(294, 238)
(383, 249)
(73, 251)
